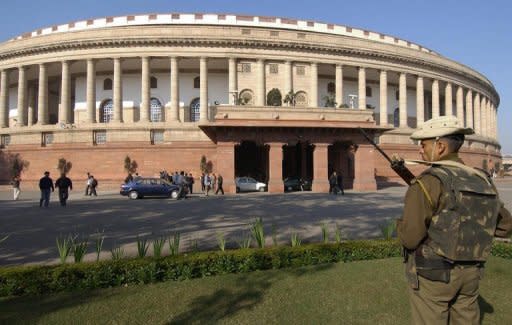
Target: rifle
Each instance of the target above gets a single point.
(398, 165)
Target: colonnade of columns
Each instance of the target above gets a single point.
(478, 111)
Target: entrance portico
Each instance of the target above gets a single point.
(281, 149)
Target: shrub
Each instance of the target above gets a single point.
(274, 97)
(37, 280)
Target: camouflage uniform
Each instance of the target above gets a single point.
(451, 213)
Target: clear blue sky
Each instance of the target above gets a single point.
(473, 32)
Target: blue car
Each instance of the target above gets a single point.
(141, 187)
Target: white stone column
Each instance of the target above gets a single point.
(469, 109)
(435, 98)
(22, 95)
(361, 88)
(383, 110)
(145, 91)
(91, 91)
(175, 89)
(288, 78)
(448, 99)
(313, 102)
(495, 121)
(339, 85)
(488, 114)
(459, 104)
(42, 96)
(477, 115)
(233, 81)
(260, 83)
(420, 102)
(203, 91)
(118, 91)
(65, 95)
(402, 99)
(4, 99)
(483, 115)
(31, 105)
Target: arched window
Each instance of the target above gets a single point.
(154, 82)
(106, 111)
(107, 84)
(301, 99)
(246, 97)
(194, 110)
(197, 82)
(156, 110)
(331, 87)
(396, 118)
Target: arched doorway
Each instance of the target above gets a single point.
(106, 111)
(156, 110)
(251, 160)
(194, 110)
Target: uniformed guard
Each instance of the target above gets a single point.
(451, 214)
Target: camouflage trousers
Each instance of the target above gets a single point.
(456, 302)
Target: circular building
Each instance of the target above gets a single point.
(255, 96)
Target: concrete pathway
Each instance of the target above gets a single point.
(32, 230)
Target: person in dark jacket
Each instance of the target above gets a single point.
(46, 187)
(65, 185)
(220, 180)
(340, 183)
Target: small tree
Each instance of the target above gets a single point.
(203, 165)
(130, 166)
(290, 98)
(17, 164)
(329, 100)
(274, 97)
(64, 166)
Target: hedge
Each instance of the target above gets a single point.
(44, 279)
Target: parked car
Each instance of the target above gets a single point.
(296, 183)
(247, 184)
(142, 186)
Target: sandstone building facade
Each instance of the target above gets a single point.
(166, 89)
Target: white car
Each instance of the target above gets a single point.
(246, 184)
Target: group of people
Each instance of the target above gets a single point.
(63, 183)
(211, 182)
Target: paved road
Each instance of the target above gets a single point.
(33, 230)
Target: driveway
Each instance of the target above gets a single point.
(32, 230)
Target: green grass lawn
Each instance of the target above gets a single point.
(369, 292)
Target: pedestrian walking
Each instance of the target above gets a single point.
(451, 214)
(46, 187)
(333, 183)
(16, 180)
(207, 183)
(88, 184)
(220, 181)
(339, 182)
(65, 185)
(94, 184)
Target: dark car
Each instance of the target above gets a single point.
(295, 183)
(141, 187)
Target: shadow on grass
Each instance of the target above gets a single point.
(19, 311)
(247, 292)
(485, 308)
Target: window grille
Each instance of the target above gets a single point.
(156, 110)
(5, 140)
(301, 70)
(273, 68)
(99, 137)
(157, 136)
(107, 112)
(46, 138)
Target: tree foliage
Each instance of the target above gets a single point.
(290, 98)
(17, 164)
(130, 166)
(64, 166)
(274, 97)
